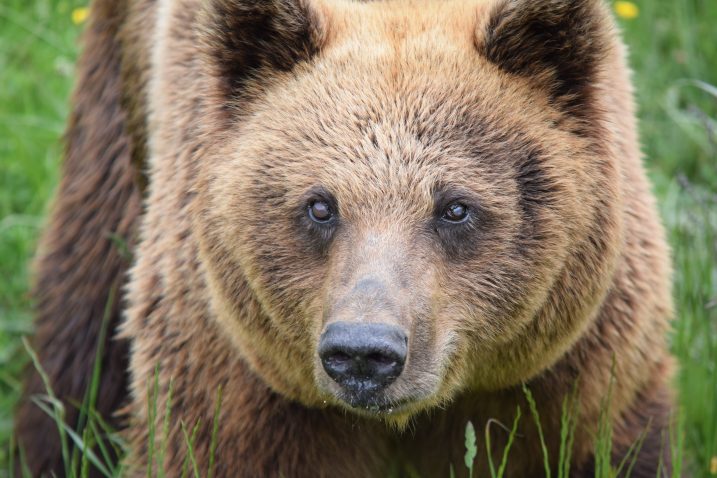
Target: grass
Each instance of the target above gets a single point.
(671, 41)
(37, 53)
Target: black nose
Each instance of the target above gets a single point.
(363, 358)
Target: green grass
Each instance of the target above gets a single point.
(38, 48)
(670, 41)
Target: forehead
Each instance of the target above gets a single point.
(397, 105)
(400, 24)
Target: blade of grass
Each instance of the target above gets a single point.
(536, 418)
(85, 468)
(152, 393)
(677, 437)
(190, 450)
(90, 401)
(26, 473)
(511, 438)
(489, 447)
(568, 423)
(118, 444)
(165, 431)
(633, 452)
(471, 449)
(215, 432)
(58, 411)
(102, 446)
(77, 441)
(603, 441)
(661, 461)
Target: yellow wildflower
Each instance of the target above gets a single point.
(626, 10)
(713, 466)
(79, 15)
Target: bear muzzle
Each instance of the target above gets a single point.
(363, 358)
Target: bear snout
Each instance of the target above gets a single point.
(363, 358)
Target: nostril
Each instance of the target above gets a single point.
(380, 359)
(336, 364)
(339, 357)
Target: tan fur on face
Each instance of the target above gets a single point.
(521, 108)
(382, 136)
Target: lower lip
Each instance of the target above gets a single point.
(382, 409)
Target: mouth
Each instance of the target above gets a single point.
(375, 406)
(379, 408)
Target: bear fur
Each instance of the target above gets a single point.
(201, 131)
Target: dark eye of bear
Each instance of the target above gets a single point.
(455, 212)
(320, 211)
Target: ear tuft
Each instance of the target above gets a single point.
(249, 39)
(559, 44)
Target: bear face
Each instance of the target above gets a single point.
(410, 193)
(381, 206)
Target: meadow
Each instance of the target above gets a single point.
(673, 45)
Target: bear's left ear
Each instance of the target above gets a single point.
(559, 45)
(246, 41)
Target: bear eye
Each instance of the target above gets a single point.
(455, 212)
(320, 211)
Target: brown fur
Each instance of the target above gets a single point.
(521, 108)
(80, 263)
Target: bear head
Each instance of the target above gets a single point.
(402, 202)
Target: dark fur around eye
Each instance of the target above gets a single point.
(460, 222)
(317, 217)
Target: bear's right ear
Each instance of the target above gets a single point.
(248, 39)
(560, 45)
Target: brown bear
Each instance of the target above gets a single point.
(363, 225)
